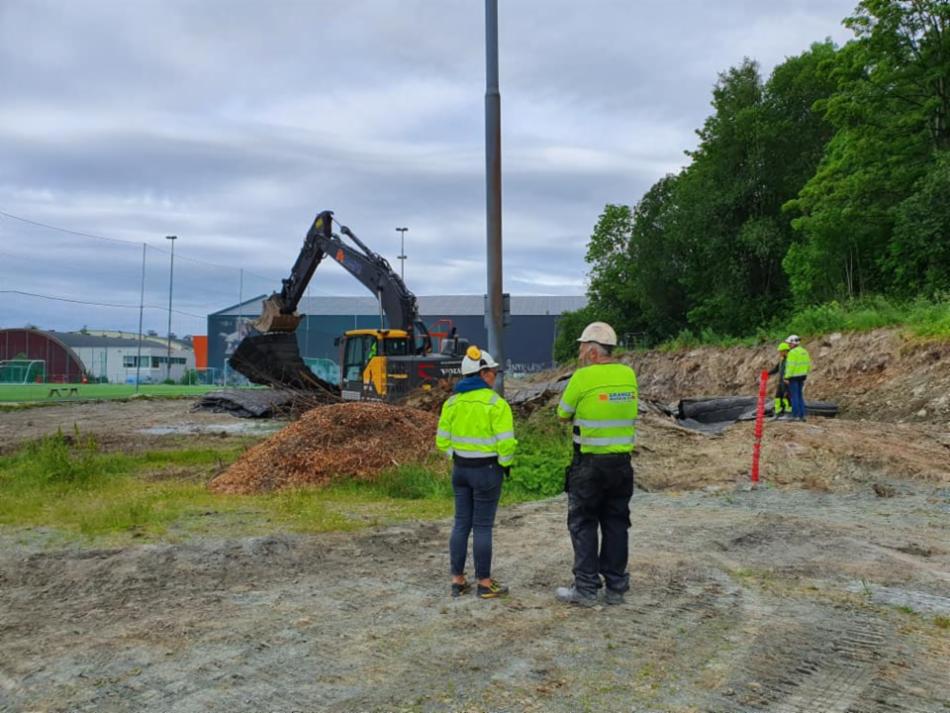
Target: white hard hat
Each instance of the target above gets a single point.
(794, 339)
(477, 359)
(599, 332)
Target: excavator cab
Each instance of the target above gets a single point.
(364, 357)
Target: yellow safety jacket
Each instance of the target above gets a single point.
(602, 401)
(477, 424)
(797, 363)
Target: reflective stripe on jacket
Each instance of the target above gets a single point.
(477, 424)
(797, 363)
(602, 401)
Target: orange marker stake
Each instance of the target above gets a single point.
(759, 421)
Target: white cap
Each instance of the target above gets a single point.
(599, 332)
(475, 360)
(794, 339)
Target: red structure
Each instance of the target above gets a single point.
(200, 344)
(759, 419)
(62, 364)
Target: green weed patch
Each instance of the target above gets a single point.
(67, 483)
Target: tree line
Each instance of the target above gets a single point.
(829, 180)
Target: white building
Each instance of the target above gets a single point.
(115, 359)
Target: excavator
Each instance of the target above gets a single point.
(383, 364)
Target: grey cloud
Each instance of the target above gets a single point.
(232, 123)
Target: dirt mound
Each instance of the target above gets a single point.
(832, 455)
(881, 375)
(351, 440)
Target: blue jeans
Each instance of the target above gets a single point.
(477, 491)
(796, 394)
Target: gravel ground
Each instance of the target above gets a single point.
(770, 600)
(126, 425)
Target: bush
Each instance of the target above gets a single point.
(544, 449)
(55, 460)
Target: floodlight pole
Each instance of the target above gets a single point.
(138, 356)
(171, 279)
(494, 308)
(402, 252)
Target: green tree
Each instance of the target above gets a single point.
(609, 277)
(920, 248)
(658, 263)
(703, 249)
(569, 328)
(890, 114)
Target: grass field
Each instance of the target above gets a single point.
(69, 485)
(41, 392)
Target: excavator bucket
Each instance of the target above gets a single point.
(273, 320)
(274, 360)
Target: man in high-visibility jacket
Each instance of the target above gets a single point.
(797, 366)
(783, 409)
(477, 431)
(601, 401)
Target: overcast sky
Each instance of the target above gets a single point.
(232, 123)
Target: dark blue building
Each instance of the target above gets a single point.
(529, 338)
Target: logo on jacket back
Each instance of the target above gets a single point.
(622, 396)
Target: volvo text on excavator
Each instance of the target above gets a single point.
(379, 364)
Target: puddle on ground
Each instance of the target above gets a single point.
(240, 428)
(920, 602)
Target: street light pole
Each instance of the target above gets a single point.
(494, 319)
(138, 357)
(402, 253)
(171, 280)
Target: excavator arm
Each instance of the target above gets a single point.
(271, 356)
(371, 269)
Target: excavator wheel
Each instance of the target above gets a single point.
(274, 359)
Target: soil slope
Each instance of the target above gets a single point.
(878, 375)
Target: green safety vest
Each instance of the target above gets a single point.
(797, 363)
(477, 424)
(602, 401)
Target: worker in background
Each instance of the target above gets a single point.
(797, 366)
(601, 401)
(783, 409)
(476, 430)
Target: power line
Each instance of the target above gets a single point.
(98, 304)
(66, 230)
(79, 233)
(95, 236)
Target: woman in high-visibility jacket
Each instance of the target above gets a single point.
(797, 366)
(476, 430)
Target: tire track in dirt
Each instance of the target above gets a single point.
(740, 603)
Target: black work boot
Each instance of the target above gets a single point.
(612, 596)
(570, 595)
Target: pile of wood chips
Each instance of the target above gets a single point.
(430, 400)
(347, 441)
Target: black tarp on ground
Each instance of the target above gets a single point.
(716, 413)
(257, 403)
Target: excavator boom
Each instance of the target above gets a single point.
(271, 356)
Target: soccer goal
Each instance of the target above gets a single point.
(207, 376)
(22, 371)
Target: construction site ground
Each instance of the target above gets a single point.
(827, 589)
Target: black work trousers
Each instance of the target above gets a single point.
(599, 488)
